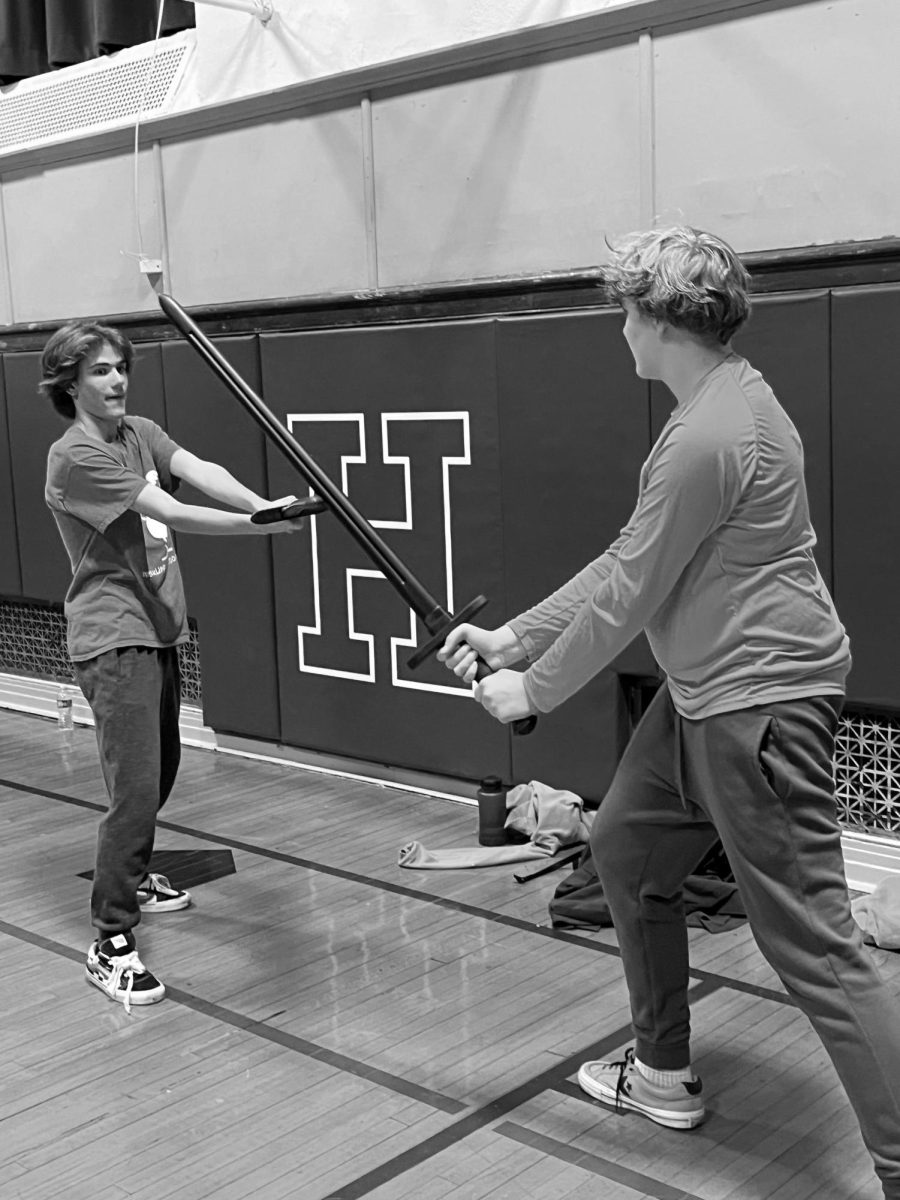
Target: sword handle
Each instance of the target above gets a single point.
(439, 627)
(524, 725)
(308, 506)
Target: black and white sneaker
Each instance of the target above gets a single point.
(156, 894)
(114, 967)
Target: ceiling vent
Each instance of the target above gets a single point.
(94, 96)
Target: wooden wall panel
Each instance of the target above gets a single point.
(263, 210)
(808, 167)
(522, 171)
(72, 240)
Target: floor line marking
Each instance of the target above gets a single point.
(251, 1025)
(559, 935)
(646, 1185)
(494, 1110)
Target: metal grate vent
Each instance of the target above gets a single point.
(33, 643)
(111, 93)
(867, 773)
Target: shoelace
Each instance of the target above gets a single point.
(123, 964)
(156, 884)
(627, 1061)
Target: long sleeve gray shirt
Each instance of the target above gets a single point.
(715, 564)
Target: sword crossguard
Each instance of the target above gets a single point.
(439, 632)
(439, 635)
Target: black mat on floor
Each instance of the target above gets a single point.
(187, 868)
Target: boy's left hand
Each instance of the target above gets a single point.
(503, 696)
(267, 516)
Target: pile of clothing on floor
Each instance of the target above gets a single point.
(711, 897)
(541, 822)
(878, 914)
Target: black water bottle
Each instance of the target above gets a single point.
(491, 798)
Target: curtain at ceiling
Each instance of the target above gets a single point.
(44, 35)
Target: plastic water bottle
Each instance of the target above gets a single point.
(491, 797)
(64, 719)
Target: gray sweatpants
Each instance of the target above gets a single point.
(135, 696)
(762, 778)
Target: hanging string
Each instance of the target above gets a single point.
(137, 125)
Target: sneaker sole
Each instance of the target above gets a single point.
(165, 905)
(152, 997)
(662, 1116)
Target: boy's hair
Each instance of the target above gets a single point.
(64, 354)
(690, 279)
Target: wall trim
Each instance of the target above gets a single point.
(799, 268)
(868, 858)
(401, 778)
(38, 698)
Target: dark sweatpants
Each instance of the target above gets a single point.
(763, 779)
(135, 695)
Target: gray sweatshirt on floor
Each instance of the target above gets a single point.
(715, 564)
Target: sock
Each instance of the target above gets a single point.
(117, 944)
(665, 1078)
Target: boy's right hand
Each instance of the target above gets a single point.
(466, 643)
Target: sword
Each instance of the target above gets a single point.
(437, 621)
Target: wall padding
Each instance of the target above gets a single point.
(788, 340)
(866, 414)
(228, 580)
(574, 431)
(33, 427)
(10, 574)
(391, 415)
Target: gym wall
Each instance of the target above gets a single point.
(495, 454)
(401, 258)
(512, 156)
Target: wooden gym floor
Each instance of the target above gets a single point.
(337, 1027)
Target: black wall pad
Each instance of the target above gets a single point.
(558, 425)
(574, 431)
(228, 580)
(865, 388)
(10, 575)
(33, 427)
(392, 413)
(788, 340)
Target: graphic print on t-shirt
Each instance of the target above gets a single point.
(158, 543)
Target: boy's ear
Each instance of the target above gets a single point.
(671, 333)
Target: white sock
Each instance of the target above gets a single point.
(665, 1078)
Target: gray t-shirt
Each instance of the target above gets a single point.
(715, 564)
(126, 587)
